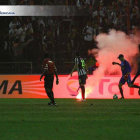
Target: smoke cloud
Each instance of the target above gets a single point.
(109, 47)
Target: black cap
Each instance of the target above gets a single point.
(120, 56)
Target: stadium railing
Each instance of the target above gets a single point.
(16, 67)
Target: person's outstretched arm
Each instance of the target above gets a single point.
(115, 63)
(56, 74)
(74, 68)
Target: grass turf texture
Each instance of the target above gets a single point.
(33, 119)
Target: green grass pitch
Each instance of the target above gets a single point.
(33, 119)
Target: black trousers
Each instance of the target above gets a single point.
(137, 74)
(48, 84)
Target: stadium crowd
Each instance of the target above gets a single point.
(29, 38)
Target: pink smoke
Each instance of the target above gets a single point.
(109, 47)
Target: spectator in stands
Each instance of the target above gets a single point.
(46, 33)
(88, 35)
(12, 2)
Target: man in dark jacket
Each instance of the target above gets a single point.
(49, 69)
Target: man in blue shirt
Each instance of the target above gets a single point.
(126, 69)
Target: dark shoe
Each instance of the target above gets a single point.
(122, 98)
(50, 103)
(54, 104)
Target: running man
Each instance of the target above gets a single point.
(49, 69)
(80, 66)
(126, 69)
